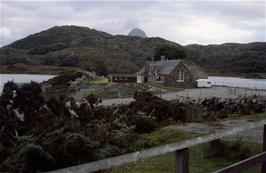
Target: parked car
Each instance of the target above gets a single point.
(204, 83)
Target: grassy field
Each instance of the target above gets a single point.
(252, 117)
(99, 80)
(128, 90)
(167, 88)
(198, 164)
(165, 163)
(119, 90)
(255, 117)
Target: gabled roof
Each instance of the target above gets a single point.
(163, 66)
(197, 72)
(141, 71)
(160, 67)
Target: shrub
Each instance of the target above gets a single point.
(106, 151)
(8, 89)
(4, 153)
(29, 99)
(64, 78)
(78, 148)
(36, 159)
(143, 123)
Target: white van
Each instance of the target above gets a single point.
(204, 83)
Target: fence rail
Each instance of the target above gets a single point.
(245, 164)
(181, 149)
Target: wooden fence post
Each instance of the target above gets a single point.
(263, 165)
(182, 161)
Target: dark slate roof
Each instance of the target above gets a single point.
(195, 70)
(167, 66)
(163, 66)
(160, 67)
(141, 71)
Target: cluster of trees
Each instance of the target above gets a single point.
(64, 78)
(169, 51)
(42, 134)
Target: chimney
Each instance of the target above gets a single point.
(162, 58)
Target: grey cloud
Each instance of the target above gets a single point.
(172, 20)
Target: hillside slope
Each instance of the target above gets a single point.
(73, 46)
(230, 57)
(82, 47)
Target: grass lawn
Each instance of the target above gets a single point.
(168, 88)
(165, 163)
(254, 117)
(128, 90)
(99, 80)
(119, 91)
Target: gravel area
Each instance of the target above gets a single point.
(196, 93)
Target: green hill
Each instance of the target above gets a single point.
(82, 47)
(73, 46)
(230, 57)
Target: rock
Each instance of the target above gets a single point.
(137, 32)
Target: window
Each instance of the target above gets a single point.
(180, 75)
(159, 79)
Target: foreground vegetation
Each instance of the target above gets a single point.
(44, 133)
(199, 163)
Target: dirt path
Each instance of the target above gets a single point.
(254, 135)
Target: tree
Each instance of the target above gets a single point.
(170, 51)
(29, 98)
(101, 69)
(8, 90)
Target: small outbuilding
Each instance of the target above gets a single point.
(123, 78)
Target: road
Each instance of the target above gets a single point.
(196, 93)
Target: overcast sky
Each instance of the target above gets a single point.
(184, 22)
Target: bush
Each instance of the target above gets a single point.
(8, 89)
(143, 123)
(106, 151)
(65, 78)
(36, 159)
(29, 98)
(78, 148)
(4, 153)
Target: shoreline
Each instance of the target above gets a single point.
(34, 69)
